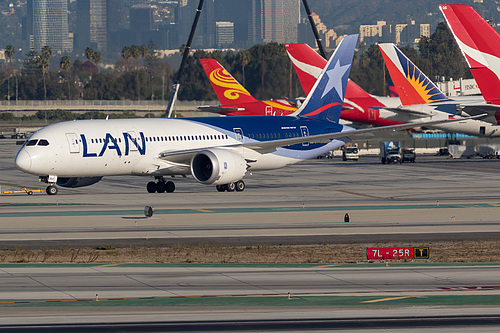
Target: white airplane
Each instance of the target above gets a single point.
(214, 150)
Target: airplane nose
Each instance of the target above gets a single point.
(23, 160)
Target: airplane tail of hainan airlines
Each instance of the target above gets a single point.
(412, 86)
(479, 43)
(324, 102)
(228, 90)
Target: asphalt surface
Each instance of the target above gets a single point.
(434, 198)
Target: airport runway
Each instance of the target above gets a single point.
(435, 198)
(248, 297)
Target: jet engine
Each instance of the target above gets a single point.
(217, 166)
(77, 181)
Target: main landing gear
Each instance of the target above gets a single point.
(161, 186)
(231, 187)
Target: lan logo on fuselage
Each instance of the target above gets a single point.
(221, 78)
(422, 85)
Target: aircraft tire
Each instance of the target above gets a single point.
(161, 187)
(51, 190)
(231, 187)
(170, 186)
(151, 187)
(220, 188)
(240, 185)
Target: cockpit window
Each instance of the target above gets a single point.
(31, 142)
(43, 142)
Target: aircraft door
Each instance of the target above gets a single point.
(305, 132)
(239, 134)
(74, 147)
(482, 130)
(269, 110)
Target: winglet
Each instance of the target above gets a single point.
(479, 43)
(412, 86)
(324, 102)
(228, 90)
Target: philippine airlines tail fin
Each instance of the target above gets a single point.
(228, 90)
(412, 86)
(479, 43)
(325, 100)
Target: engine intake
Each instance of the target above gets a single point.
(217, 166)
(77, 181)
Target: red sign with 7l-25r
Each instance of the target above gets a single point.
(389, 253)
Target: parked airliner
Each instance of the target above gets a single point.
(214, 150)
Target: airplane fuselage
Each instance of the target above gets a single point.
(89, 148)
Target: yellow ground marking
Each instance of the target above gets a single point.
(388, 299)
(203, 210)
(366, 195)
(496, 205)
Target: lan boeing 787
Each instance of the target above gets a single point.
(214, 150)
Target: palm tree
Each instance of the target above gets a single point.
(136, 53)
(65, 65)
(97, 58)
(244, 58)
(126, 53)
(89, 53)
(43, 61)
(9, 52)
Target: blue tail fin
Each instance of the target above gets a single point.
(324, 101)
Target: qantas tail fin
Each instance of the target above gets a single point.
(412, 86)
(228, 90)
(324, 102)
(479, 43)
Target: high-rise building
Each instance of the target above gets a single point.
(47, 24)
(224, 34)
(141, 18)
(91, 25)
(114, 23)
(256, 22)
(291, 20)
(274, 21)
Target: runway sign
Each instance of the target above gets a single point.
(379, 253)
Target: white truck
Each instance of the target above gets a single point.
(390, 152)
(350, 153)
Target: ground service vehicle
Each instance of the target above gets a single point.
(350, 153)
(407, 155)
(390, 152)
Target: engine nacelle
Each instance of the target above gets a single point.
(217, 166)
(77, 181)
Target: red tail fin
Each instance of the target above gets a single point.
(228, 90)
(479, 44)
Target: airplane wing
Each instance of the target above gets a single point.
(491, 110)
(414, 113)
(265, 147)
